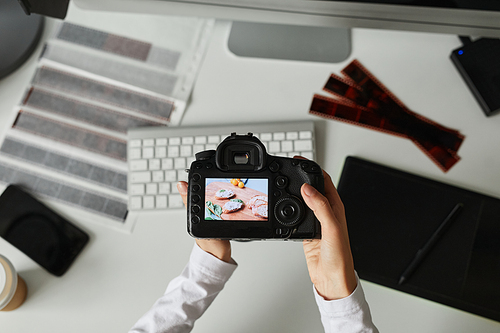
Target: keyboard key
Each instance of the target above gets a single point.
(137, 189)
(139, 165)
(134, 153)
(305, 135)
(151, 188)
(214, 139)
(154, 164)
(164, 188)
(280, 136)
(174, 141)
(274, 147)
(148, 152)
(135, 143)
(186, 151)
(167, 163)
(210, 146)
(161, 201)
(161, 152)
(200, 140)
(187, 140)
(266, 137)
(175, 201)
(286, 146)
(303, 145)
(161, 141)
(158, 176)
(170, 175)
(140, 177)
(292, 135)
(148, 142)
(148, 202)
(135, 202)
(180, 163)
(173, 151)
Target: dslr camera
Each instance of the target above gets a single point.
(240, 192)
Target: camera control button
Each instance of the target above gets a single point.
(195, 209)
(209, 165)
(195, 219)
(196, 188)
(274, 166)
(295, 162)
(196, 177)
(198, 165)
(195, 198)
(204, 155)
(282, 232)
(289, 211)
(277, 193)
(281, 181)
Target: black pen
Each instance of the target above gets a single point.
(419, 257)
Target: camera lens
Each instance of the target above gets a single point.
(289, 211)
(241, 158)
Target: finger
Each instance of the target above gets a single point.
(182, 187)
(321, 207)
(332, 195)
(330, 190)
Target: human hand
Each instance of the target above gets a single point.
(219, 248)
(329, 259)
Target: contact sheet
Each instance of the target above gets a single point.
(67, 140)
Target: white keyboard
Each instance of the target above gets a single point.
(159, 156)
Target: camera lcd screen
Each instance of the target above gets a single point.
(237, 199)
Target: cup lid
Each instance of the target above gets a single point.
(8, 281)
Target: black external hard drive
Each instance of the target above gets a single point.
(478, 63)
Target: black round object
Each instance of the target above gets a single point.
(19, 35)
(289, 211)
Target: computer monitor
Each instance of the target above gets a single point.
(332, 18)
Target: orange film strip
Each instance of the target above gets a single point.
(360, 99)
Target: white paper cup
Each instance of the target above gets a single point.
(13, 289)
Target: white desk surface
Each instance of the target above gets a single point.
(119, 276)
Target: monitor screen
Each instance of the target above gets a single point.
(464, 17)
(462, 4)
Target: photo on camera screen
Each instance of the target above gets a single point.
(244, 199)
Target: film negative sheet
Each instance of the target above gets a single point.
(103, 92)
(147, 78)
(47, 158)
(71, 135)
(67, 139)
(52, 188)
(84, 112)
(119, 45)
(361, 99)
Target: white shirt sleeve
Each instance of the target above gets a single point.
(346, 315)
(187, 296)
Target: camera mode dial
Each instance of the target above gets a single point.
(204, 155)
(289, 211)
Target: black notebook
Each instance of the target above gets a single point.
(391, 214)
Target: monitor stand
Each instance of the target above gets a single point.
(290, 42)
(19, 36)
